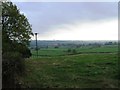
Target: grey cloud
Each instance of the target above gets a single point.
(44, 15)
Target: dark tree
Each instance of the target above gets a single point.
(74, 51)
(16, 32)
(69, 50)
(56, 47)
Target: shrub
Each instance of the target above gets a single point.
(74, 51)
(69, 50)
(12, 66)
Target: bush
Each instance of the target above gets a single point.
(24, 50)
(74, 51)
(56, 47)
(12, 66)
(69, 50)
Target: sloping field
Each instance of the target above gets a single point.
(72, 71)
(62, 51)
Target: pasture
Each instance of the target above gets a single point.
(55, 68)
(62, 51)
(74, 71)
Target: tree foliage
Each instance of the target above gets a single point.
(16, 32)
(16, 28)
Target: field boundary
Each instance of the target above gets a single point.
(80, 53)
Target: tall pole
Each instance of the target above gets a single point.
(36, 44)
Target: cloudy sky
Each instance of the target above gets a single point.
(72, 20)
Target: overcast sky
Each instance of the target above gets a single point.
(72, 20)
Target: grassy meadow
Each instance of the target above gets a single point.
(62, 51)
(89, 67)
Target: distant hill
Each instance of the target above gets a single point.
(45, 43)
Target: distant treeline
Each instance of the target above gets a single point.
(73, 44)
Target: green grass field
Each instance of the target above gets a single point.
(63, 51)
(96, 70)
